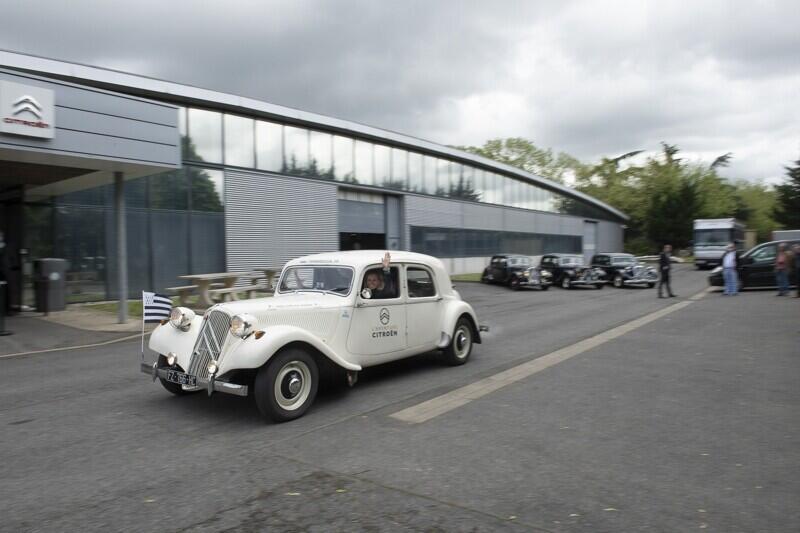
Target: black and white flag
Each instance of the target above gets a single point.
(155, 307)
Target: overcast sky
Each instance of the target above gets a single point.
(593, 78)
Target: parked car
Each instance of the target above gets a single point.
(568, 271)
(757, 267)
(623, 270)
(516, 271)
(323, 317)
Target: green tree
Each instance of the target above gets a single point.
(522, 153)
(787, 209)
(757, 207)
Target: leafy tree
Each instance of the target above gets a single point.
(522, 153)
(757, 207)
(787, 209)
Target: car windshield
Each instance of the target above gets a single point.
(571, 260)
(335, 280)
(712, 237)
(622, 260)
(519, 261)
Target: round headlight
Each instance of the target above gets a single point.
(212, 368)
(171, 358)
(181, 317)
(242, 325)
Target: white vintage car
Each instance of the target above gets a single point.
(332, 313)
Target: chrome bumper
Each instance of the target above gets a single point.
(588, 282)
(638, 281)
(212, 385)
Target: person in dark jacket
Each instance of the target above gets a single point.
(665, 265)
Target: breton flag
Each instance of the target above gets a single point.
(155, 307)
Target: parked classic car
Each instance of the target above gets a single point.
(568, 271)
(322, 317)
(516, 271)
(623, 270)
(757, 267)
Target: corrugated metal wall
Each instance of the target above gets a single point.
(270, 220)
(424, 211)
(609, 237)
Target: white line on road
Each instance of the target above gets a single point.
(104, 343)
(422, 412)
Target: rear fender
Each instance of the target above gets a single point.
(453, 312)
(253, 353)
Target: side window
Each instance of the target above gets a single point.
(765, 255)
(382, 284)
(420, 283)
(546, 262)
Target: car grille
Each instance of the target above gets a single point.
(209, 342)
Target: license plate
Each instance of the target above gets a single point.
(181, 379)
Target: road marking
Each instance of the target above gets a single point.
(422, 412)
(67, 348)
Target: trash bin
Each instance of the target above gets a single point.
(49, 282)
(3, 286)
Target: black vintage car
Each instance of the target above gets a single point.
(516, 271)
(623, 270)
(757, 267)
(568, 271)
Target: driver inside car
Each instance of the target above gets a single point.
(380, 282)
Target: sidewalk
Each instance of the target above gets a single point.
(78, 325)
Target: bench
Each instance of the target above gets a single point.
(183, 293)
(230, 293)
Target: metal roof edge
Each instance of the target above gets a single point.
(77, 71)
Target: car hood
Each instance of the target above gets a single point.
(288, 302)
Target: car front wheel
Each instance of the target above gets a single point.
(286, 387)
(618, 281)
(565, 283)
(515, 284)
(457, 352)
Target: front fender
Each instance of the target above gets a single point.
(167, 338)
(253, 353)
(453, 312)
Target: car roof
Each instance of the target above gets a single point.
(363, 258)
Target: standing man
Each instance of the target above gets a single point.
(665, 264)
(730, 262)
(782, 270)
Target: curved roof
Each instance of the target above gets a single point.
(160, 89)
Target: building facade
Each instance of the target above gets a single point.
(203, 181)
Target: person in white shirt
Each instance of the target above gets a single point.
(730, 261)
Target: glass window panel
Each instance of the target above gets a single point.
(383, 166)
(239, 141)
(399, 169)
(295, 146)
(416, 172)
(321, 146)
(508, 191)
(518, 192)
(343, 159)
(489, 186)
(205, 136)
(529, 196)
(269, 146)
(444, 186)
(479, 183)
(169, 190)
(208, 188)
(429, 174)
(363, 159)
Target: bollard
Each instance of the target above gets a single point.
(3, 331)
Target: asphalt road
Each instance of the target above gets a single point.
(688, 422)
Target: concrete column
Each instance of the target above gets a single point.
(122, 247)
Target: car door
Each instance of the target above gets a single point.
(499, 269)
(379, 324)
(759, 269)
(423, 307)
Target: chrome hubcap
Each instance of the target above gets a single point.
(463, 340)
(292, 385)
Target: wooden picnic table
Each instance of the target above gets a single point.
(204, 281)
(269, 274)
